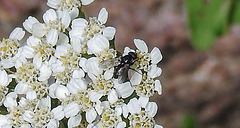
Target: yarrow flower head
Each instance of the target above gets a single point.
(68, 73)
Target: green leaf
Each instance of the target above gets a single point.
(207, 20)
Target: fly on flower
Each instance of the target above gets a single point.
(121, 65)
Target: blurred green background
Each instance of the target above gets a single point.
(200, 43)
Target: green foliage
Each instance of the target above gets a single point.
(188, 122)
(3, 110)
(235, 12)
(209, 19)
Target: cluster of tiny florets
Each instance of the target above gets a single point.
(67, 72)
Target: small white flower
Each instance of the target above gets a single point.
(67, 62)
(55, 23)
(85, 30)
(10, 50)
(28, 23)
(70, 5)
(110, 118)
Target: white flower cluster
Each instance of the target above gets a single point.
(55, 77)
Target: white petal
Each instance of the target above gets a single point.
(158, 87)
(94, 96)
(92, 66)
(49, 15)
(118, 110)
(46, 102)
(78, 73)
(71, 110)
(77, 33)
(79, 23)
(31, 95)
(53, 3)
(45, 72)
(28, 23)
(121, 124)
(63, 39)
(103, 15)
(37, 60)
(82, 64)
(155, 55)
(133, 106)
(10, 102)
(65, 18)
(61, 50)
(28, 115)
(141, 45)
(136, 77)
(57, 67)
(74, 12)
(76, 84)
(4, 79)
(74, 121)
(38, 29)
(91, 115)
(21, 88)
(108, 74)
(98, 43)
(112, 96)
(143, 101)
(151, 108)
(154, 71)
(53, 124)
(158, 126)
(125, 110)
(61, 92)
(52, 37)
(109, 32)
(58, 112)
(52, 89)
(4, 121)
(33, 41)
(86, 2)
(76, 44)
(124, 90)
(28, 52)
(25, 126)
(99, 108)
(17, 34)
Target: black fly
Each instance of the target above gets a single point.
(121, 65)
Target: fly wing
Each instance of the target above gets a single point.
(107, 64)
(123, 77)
(123, 74)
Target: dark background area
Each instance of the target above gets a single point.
(200, 89)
